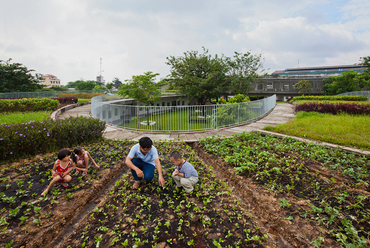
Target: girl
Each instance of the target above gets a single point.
(82, 158)
(62, 167)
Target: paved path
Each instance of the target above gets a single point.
(282, 113)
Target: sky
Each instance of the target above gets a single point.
(68, 38)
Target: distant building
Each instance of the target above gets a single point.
(317, 71)
(100, 79)
(50, 80)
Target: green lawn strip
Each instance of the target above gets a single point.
(83, 100)
(343, 129)
(170, 121)
(23, 117)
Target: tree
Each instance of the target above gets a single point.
(109, 86)
(14, 77)
(143, 89)
(203, 77)
(243, 70)
(198, 76)
(82, 85)
(365, 62)
(117, 83)
(233, 111)
(347, 82)
(304, 86)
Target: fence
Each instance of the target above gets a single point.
(357, 93)
(180, 118)
(43, 94)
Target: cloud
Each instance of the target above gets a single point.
(67, 38)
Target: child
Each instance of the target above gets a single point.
(62, 167)
(184, 175)
(82, 158)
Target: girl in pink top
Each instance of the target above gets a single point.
(82, 160)
(60, 172)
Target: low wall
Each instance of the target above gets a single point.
(60, 111)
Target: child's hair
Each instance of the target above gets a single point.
(63, 153)
(145, 142)
(78, 150)
(73, 157)
(175, 155)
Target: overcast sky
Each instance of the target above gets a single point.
(67, 38)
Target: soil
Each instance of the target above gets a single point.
(223, 210)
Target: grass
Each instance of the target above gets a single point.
(84, 100)
(23, 117)
(344, 129)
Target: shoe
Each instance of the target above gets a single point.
(84, 173)
(76, 172)
(44, 193)
(136, 185)
(65, 185)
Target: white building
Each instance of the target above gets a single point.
(50, 80)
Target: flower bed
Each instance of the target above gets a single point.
(335, 108)
(331, 98)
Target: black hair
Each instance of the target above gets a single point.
(63, 153)
(175, 155)
(78, 150)
(73, 157)
(145, 142)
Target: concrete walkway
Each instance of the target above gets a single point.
(282, 113)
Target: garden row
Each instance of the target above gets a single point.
(30, 220)
(310, 194)
(330, 98)
(334, 108)
(209, 217)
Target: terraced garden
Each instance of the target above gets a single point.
(254, 191)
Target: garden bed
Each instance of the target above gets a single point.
(254, 191)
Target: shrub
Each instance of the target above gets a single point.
(334, 108)
(331, 98)
(66, 100)
(28, 104)
(80, 95)
(29, 139)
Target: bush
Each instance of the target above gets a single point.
(331, 98)
(334, 108)
(27, 104)
(80, 95)
(32, 138)
(67, 100)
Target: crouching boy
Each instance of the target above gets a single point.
(184, 175)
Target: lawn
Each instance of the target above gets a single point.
(24, 117)
(342, 129)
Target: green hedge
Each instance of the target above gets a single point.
(32, 138)
(28, 104)
(331, 98)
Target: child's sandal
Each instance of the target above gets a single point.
(84, 173)
(65, 185)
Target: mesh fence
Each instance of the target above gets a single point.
(185, 118)
(356, 93)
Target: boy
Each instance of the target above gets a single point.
(184, 175)
(142, 159)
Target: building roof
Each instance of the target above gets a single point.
(48, 75)
(306, 71)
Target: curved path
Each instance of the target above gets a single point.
(282, 113)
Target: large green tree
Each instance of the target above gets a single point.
(14, 77)
(243, 69)
(142, 88)
(117, 83)
(198, 75)
(204, 77)
(347, 82)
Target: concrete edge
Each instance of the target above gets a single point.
(57, 112)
